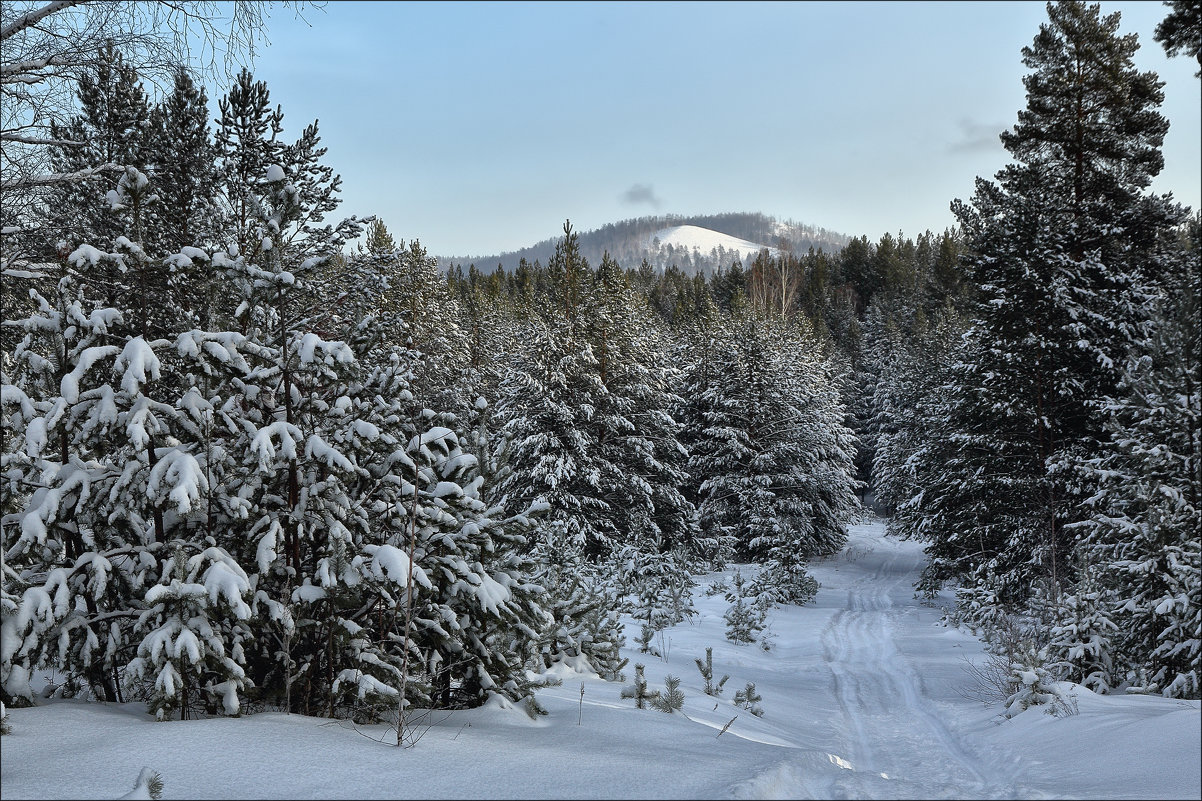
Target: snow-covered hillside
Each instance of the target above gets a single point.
(864, 694)
(694, 239)
(689, 243)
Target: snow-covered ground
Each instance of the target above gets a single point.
(695, 238)
(865, 696)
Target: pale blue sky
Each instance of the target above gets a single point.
(480, 127)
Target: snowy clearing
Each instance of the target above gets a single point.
(865, 695)
(703, 240)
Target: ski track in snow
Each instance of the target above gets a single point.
(894, 742)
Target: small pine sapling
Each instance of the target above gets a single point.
(639, 691)
(744, 620)
(767, 639)
(1030, 684)
(154, 786)
(672, 699)
(646, 635)
(534, 709)
(749, 699)
(707, 673)
(149, 785)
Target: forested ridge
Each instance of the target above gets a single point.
(633, 241)
(260, 457)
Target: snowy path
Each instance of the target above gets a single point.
(864, 696)
(875, 730)
(897, 742)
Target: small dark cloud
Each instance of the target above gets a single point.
(640, 193)
(977, 137)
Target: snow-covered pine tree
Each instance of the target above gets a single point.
(1083, 636)
(749, 699)
(672, 698)
(585, 632)
(707, 672)
(774, 459)
(187, 619)
(111, 130)
(247, 142)
(138, 478)
(182, 161)
(58, 404)
(299, 535)
(479, 622)
(639, 691)
(438, 349)
(1057, 247)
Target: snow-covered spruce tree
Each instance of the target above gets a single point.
(1057, 247)
(701, 349)
(407, 591)
(907, 408)
(583, 417)
(746, 616)
(635, 427)
(545, 446)
(657, 585)
(904, 348)
(1143, 535)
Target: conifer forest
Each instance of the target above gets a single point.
(261, 457)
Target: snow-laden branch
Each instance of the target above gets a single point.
(38, 140)
(34, 17)
(32, 65)
(53, 178)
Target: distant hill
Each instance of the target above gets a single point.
(694, 244)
